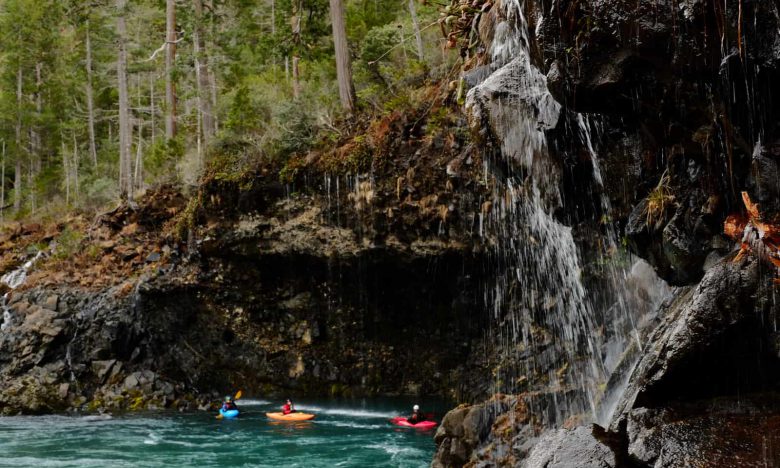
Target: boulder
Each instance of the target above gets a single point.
(102, 368)
(51, 302)
(465, 428)
(515, 107)
(570, 448)
(693, 323)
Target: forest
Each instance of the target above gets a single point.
(103, 99)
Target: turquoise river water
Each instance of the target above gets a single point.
(353, 433)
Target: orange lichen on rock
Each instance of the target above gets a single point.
(734, 226)
(768, 233)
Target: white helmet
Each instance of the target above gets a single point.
(416, 407)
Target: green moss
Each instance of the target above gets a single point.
(359, 159)
(187, 219)
(291, 169)
(137, 403)
(95, 405)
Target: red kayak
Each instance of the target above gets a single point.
(399, 421)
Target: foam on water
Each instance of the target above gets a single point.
(252, 402)
(356, 413)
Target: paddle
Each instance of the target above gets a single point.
(237, 397)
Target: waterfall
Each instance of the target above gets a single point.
(7, 321)
(14, 279)
(546, 325)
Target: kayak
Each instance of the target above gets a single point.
(290, 417)
(400, 421)
(229, 414)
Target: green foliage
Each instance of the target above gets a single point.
(230, 157)
(68, 243)
(98, 191)
(246, 112)
(298, 134)
(164, 155)
(249, 84)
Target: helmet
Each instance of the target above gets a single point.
(228, 398)
(416, 408)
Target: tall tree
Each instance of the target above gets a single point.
(125, 175)
(18, 140)
(343, 65)
(295, 22)
(205, 112)
(170, 61)
(417, 33)
(89, 94)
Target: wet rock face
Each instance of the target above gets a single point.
(70, 348)
(698, 349)
(465, 428)
(570, 447)
(764, 185)
(677, 79)
(378, 322)
(354, 285)
(722, 433)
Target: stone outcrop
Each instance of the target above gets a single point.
(680, 138)
(352, 286)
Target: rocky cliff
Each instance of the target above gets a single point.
(354, 273)
(685, 96)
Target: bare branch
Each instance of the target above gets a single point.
(162, 47)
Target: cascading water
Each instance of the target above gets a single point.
(547, 325)
(13, 280)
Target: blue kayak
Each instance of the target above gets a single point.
(229, 414)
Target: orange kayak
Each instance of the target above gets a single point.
(290, 417)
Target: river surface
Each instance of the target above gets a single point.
(353, 433)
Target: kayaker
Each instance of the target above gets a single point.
(229, 404)
(288, 407)
(417, 415)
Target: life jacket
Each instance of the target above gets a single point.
(287, 409)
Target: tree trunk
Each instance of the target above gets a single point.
(152, 110)
(31, 184)
(35, 139)
(65, 169)
(125, 182)
(139, 161)
(211, 76)
(343, 67)
(417, 33)
(273, 17)
(213, 85)
(296, 77)
(90, 101)
(75, 166)
(2, 187)
(202, 77)
(35, 134)
(18, 131)
(295, 23)
(170, 58)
